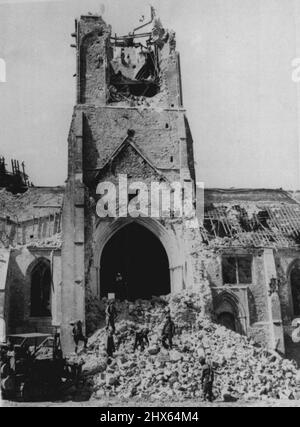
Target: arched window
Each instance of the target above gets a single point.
(295, 288)
(41, 282)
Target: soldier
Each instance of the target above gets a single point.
(110, 347)
(111, 315)
(141, 339)
(78, 334)
(207, 380)
(168, 333)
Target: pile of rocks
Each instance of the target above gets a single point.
(242, 369)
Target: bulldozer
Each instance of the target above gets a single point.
(32, 368)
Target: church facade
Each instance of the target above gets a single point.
(130, 130)
(129, 121)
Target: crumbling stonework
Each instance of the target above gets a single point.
(262, 224)
(129, 120)
(30, 232)
(242, 260)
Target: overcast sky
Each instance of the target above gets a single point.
(236, 59)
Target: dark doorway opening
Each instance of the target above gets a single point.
(134, 265)
(41, 281)
(295, 287)
(227, 320)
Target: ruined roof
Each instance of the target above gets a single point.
(232, 195)
(36, 201)
(251, 217)
(232, 218)
(31, 219)
(295, 195)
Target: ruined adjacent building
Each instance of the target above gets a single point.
(252, 238)
(30, 259)
(15, 180)
(59, 258)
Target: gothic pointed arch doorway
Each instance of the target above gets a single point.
(134, 264)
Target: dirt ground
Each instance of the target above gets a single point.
(132, 403)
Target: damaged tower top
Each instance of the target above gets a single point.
(138, 69)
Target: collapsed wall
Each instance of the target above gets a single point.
(253, 237)
(32, 218)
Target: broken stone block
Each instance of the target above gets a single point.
(175, 356)
(154, 350)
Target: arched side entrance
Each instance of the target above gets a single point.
(228, 320)
(134, 265)
(167, 239)
(230, 312)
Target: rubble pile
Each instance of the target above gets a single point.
(242, 370)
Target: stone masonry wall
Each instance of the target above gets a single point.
(22, 261)
(158, 134)
(257, 292)
(284, 261)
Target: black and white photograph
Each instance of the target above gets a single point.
(149, 206)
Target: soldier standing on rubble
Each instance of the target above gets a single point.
(207, 380)
(168, 333)
(78, 334)
(111, 315)
(110, 347)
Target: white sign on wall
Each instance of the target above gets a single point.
(4, 258)
(2, 330)
(2, 71)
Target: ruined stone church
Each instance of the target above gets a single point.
(58, 258)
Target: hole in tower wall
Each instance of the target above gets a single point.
(125, 82)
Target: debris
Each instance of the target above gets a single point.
(253, 218)
(242, 370)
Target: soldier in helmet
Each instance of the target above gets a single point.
(111, 315)
(78, 334)
(110, 346)
(207, 380)
(168, 333)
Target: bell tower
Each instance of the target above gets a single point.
(129, 121)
